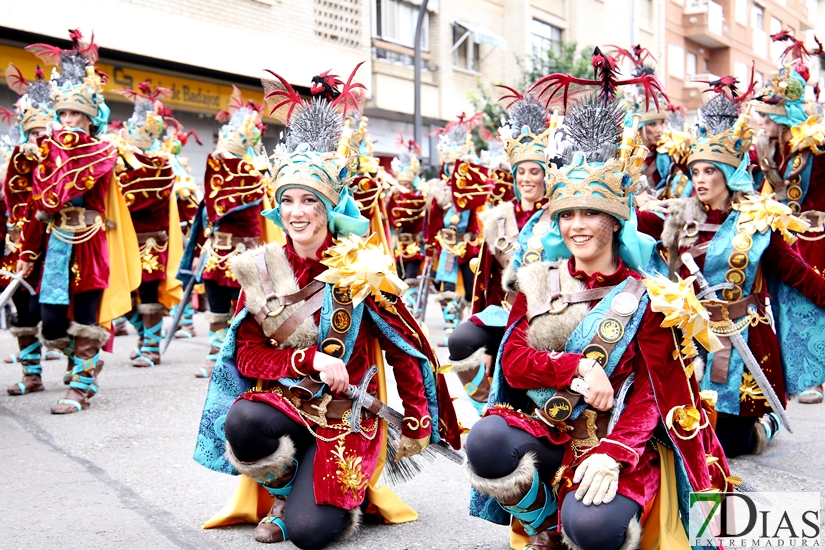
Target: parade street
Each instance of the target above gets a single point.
(121, 475)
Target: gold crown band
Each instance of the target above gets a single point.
(768, 109)
(85, 108)
(310, 184)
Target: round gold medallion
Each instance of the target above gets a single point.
(738, 260)
(341, 320)
(534, 243)
(747, 228)
(797, 162)
(597, 353)
(531, 257)
(794, 206)
(732, 294)
(541, 228)
(794, 193)
(558, 408)
(341, 295)
(454, 219)
(333, 347)
(742, 242)
(735, 276)
(610, 330)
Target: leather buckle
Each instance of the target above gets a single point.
(561, 308)
(692, 229)
(816, 219)
(72, 218)
(406, 238)
(221, 240)
(448, 236)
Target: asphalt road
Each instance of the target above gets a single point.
(121, 474)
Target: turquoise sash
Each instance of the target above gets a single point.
(583, 335)
(716, 266)
(442, 275)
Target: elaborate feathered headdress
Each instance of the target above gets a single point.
(317, 154)
(406, 166)
(527, 130)
(34, 108)
(455, 141)
(242, 127)
(76, 85)
(147, 121)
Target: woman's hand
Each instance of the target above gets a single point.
(334, 372)
(601, 391)
(599, 478)
(24, 268)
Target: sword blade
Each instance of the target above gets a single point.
(187, 293)
(9, 292)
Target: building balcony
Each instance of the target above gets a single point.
(704, 23)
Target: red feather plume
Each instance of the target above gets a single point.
(7, 117)
(15, 79)
(351, 98)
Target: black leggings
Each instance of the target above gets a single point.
(28, 308)
(736, 434)
(494, 449)
(468, 276)
(408, 269)
(220, 297)
(56, 317)
(148, 292)
(468, 337)
(253, 429)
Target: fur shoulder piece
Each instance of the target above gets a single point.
(283, 279)
(509, 280)
(490, 220)
(677, 218)
(550, 332)
(440, 193)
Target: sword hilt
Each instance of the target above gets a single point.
(19, 278)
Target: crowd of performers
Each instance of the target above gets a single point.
(641, 297)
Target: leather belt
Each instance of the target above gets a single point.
(816, 219)
(692, 228)
(325, 406)
(225, 241)
(77, 218)
(728, 311)
(158, 236)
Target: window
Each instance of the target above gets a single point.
(758, 19)
(759, 78)
(465, 48)
(740, 72)
(675, 61)
(776, 25)
(690, 70)
(546, 37)
(741, 14)
(395, 21)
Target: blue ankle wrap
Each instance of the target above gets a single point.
(532, 519)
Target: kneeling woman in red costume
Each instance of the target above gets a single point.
(567, 444)
(317, 313)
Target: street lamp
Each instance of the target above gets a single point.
(422, 10)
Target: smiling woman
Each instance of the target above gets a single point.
(305, 219)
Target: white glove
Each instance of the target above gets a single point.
(599, 477)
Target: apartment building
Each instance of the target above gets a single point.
(199, 48)
(707, 39)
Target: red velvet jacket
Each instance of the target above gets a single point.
(659, 385)
(405, 210)
(17, 213)
(780, 260)
(74, 165)
(256, 358)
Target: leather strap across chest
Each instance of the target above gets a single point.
(566, 299)
(692, 228)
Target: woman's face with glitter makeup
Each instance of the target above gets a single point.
(75, 119)
(530, 181)
(588, 235)
(709, 184)
(304, 216)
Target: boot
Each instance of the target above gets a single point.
(526, 498)
(136, 320)
(87, 343)
(121, 327)
(186, 329)
(29, 359)
(276, 474)
(152, 319)
(473, 375)
(765, 429)
(451, 306)
(217, 334)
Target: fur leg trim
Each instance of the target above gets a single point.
(412, 283)
(471, 362)
(509, 486)
(632, 538)
(353, 525)
(58, 344)
(446, 296)
(17, 332)
(509, 281)
(273, 464)
(92, 332)
(149, 309)
(217, 317)
(698, 368)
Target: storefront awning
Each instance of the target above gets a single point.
(480, 35)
